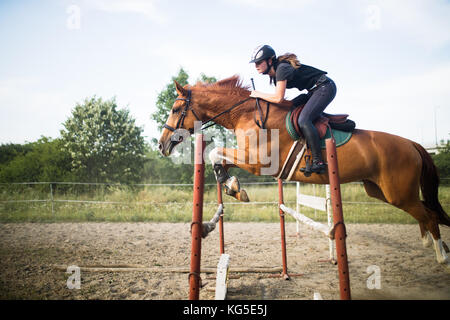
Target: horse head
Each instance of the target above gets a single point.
(181, 121)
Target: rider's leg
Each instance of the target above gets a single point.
(319, 100)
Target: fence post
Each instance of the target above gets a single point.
(51, 199)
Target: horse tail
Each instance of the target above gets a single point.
(429, 184)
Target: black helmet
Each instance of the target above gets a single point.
(262, 52)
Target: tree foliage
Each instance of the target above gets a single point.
(104, 143)
(442, 161)
(44, 160)
(166, 98)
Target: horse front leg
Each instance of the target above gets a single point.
(224, 158)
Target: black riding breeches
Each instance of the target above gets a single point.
(316, 102)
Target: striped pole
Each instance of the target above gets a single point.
(197, 219)
(338, 218)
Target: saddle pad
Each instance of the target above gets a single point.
(341, 137)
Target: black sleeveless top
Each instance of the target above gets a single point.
(301, 78)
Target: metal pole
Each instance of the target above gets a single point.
(283, 232)
(338, 218)
(197, 219)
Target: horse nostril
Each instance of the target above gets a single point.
(160, 146)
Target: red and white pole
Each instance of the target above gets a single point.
(197, 219)
(338, 218)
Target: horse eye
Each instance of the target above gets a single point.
(175, 110)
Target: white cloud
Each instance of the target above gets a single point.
(144, 7)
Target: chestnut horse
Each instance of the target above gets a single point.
(393, 169)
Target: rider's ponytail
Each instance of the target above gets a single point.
(291, 58)
(287, 57)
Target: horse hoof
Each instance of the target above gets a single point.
(242, 196)
(232, 184)
(230, 192)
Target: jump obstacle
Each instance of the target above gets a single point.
(316, 203)
(334, 231)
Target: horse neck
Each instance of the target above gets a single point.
(216, 103)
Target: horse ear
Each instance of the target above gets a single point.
(181, 91)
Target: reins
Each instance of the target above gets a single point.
(180, 121)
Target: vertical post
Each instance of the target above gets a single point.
(330, 222)
(338, 218)
(283, 232)
(221, 235)
(51, 198)
(197, 219)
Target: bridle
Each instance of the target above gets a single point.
(180, 121)
(187, 107)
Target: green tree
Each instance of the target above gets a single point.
(442, 161)
(104, 142)
(44, 161)
(10, 151)
(166, 99)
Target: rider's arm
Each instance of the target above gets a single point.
(277, 97)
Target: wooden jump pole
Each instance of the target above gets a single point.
(338, 218)
(197, 218)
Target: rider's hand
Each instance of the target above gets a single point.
(254, 94)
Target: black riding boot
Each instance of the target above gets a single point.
(312, 138)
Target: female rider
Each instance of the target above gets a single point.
(287, 72)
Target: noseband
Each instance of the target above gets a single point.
(180, 121)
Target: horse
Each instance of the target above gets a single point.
(393, 169)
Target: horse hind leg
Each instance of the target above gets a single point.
(439, 246)
(428, 220)
(426, 236)
(374, 191)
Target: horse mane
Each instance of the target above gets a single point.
(233, 84)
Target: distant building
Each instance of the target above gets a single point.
(433, 150)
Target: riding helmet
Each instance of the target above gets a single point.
(262, 52)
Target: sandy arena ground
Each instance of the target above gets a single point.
(29, 252)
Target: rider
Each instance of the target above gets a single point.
(286, 71)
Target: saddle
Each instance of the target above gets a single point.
(328, 125)
(335, 121)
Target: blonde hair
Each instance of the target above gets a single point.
(291, 58)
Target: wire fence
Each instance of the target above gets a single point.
(72, 197)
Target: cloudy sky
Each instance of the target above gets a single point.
(389, 59)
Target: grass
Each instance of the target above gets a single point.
(174, 204)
